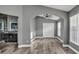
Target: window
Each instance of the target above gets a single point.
(74, 29)
(59, 28)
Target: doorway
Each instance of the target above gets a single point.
(8, 28)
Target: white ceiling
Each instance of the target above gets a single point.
(53, 17)
(62, 7)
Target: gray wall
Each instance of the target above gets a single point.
(62, 28)
(71, 13)
(30, 11)
(26, 15)
(33, 28)
(39, 25)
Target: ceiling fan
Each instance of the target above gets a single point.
(48, 16)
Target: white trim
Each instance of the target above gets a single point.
(64, 45)
(20, 46)
(74, 43)
(39, 37)
(8, 42)
(11, 43)
(2, 41)
(59, 39)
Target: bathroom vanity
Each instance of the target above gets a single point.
(8, 28)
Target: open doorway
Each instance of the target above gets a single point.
(44, 26)
(8, 28)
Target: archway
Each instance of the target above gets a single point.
(37, 25)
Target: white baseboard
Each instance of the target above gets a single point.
(11, 43)
(74, 43)
(64, 45)
(38, 37)
(20, 46)
(59, 39)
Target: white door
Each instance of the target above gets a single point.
(48, 29)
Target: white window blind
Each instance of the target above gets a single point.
(59, 28)
(74, 29)
(48, 29)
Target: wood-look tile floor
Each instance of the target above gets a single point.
(38, 46)
(49, 46)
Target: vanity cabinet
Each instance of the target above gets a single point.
(9, 37)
